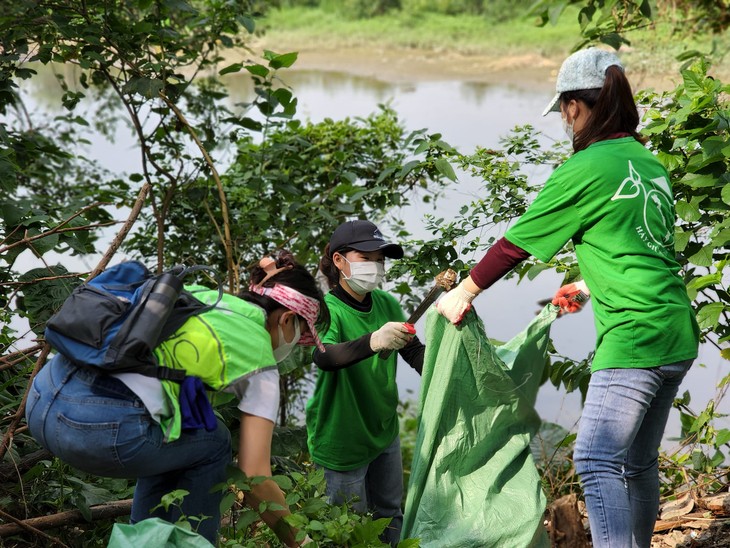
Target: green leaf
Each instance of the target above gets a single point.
(283, 482)
(444, 168)
(709, 315)
(695, 180)
(245, 519)
(722, 437)
(725, 193)
(687, 212)
(227, 502)
(681, 239)
(705, 281)
(284, 60)
(703, 257)
(257, 70)
(235, 67)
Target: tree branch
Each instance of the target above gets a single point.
(111, 510)
(227, 241)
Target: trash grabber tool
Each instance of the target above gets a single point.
(445, 281)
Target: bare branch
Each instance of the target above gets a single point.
(227, 241)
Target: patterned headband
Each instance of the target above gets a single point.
(302, 305)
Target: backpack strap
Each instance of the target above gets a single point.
(186, 304)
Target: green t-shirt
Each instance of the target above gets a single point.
(220, 346)
(614, 201)
(352, 415)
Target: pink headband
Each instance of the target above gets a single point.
(306, 307)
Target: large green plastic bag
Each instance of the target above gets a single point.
(473, 479)
(157, 533)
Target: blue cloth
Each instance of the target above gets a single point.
(617, 449)
(376, 487)
(195, 409)
(96, 424)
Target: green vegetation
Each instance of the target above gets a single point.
(501, 28)
(289, 184)
(470, 34)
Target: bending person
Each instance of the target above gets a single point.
(165, 435)
(613, 199)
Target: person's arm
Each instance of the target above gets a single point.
(413, 354)
(254, 458)
(391, 336)
(502, 257)
(343, 355)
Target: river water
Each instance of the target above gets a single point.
(468, 114)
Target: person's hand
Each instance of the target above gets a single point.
(392, 336)
(571, 297)
(306, 540)
(456, 303)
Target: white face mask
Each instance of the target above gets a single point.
(365, 276)
(568, 128)
(284, 348)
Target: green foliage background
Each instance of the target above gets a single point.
(155, 67)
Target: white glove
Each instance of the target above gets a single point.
(306, 540)
(392, 336)
(456, 303)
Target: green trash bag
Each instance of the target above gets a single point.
(157, 533)
(473, 479)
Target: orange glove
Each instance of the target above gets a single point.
(571, 297)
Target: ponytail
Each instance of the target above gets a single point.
(328, 268)
(612, 110)
(289, 273)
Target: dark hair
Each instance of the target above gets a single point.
(293, 275)
(327, 265)
(613, 110)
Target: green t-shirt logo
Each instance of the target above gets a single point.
(657, 229)
(613, 200)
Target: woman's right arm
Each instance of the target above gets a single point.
(344, 354)
(254, 458)
(502, 257)
(390, 336)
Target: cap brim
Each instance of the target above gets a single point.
(553, 106)
(392, 251)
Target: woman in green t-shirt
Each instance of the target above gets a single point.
(352, 418)
(613, 200)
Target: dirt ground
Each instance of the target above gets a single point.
(414, 65)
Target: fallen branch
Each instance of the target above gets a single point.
(11, 470)
(111, 510)
(25, 527)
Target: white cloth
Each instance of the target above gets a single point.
(258, 394)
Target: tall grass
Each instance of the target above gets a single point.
(420, 29)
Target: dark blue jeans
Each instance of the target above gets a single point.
(617, 450)
(376, 487)
(96, 424)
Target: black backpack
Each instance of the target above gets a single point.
(115, 321)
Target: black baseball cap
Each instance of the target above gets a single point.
(362, 236)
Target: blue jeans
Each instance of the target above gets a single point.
(617, 449)
(96, 424)
(376, 487)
